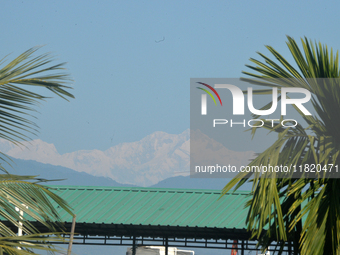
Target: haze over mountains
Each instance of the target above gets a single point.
(143, 163)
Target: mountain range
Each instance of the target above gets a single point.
(156, 157)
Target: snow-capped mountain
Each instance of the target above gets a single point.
(143, 163)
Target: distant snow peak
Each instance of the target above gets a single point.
(143, 163)
(34, 150)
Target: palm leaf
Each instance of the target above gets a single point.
(305, 210)
(38, 203)
(17, 123)
(17, 103)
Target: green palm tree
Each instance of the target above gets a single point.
(305, 211)
(22, 199)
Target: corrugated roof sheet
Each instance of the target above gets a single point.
(154, 206)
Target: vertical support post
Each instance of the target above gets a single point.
(21, 212)
(166, 246)
(134, 245)
(1, 253)
(71, 236)
(20, 223)
(242, 248)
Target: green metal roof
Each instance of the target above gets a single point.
(155, 206)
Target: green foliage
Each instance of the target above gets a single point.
(305, 210)
(17, 102)
(24, 193)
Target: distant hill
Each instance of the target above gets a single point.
(47, 171)
(72, 177)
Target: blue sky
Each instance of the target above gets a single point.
(132, 60)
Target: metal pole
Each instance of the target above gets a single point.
(21, 212)
(71, 236)
(134, 246)
(242, 248)
(20, 225)
(166, 246)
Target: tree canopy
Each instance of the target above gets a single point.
(303, 210)
(23, 199)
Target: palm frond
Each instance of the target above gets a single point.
(38, 204)
(17, 102)
(17, 123)
(305, 210)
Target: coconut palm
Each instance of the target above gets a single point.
(22, 199)
(304, 211)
